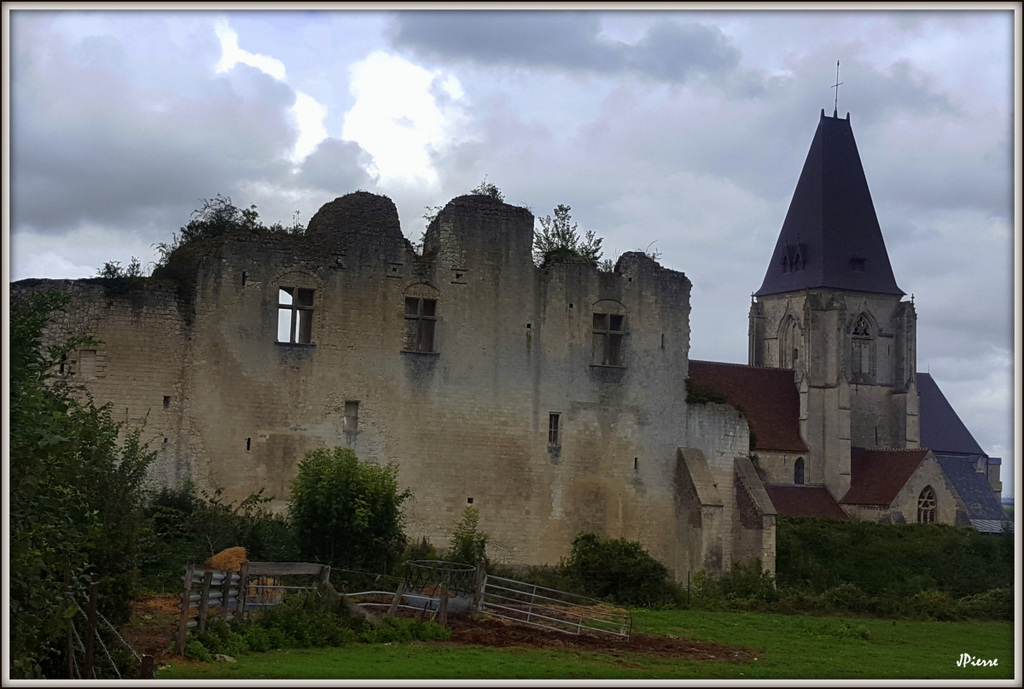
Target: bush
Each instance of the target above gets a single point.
(348, 513)
(186, 528)
(469, 544)
(619, 570)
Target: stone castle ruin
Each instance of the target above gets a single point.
(551, 399)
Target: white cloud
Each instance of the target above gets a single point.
(309, 118)
(396, 117)
(231, 54)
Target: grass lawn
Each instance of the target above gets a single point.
(789, 647)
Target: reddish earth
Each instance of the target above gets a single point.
(154, 618)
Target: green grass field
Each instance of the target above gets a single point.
(788, 647)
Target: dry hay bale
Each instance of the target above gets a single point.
(229, 559)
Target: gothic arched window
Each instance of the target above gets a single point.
(789, 343)
(798, 472)
(861, 350)
(926, 506)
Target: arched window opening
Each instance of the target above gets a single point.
(798, 472)
(926, 506)
(861, 346)
(789, 343)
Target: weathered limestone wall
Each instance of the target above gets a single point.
(468, 422)
(137, 362)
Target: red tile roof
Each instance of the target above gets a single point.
(767, 396)
(877, 476)
(805, 501)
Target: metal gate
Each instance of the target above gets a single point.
(560, 611)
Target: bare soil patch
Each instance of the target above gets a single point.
(154, 620)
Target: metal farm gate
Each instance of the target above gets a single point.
(560, 611)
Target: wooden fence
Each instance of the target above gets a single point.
(228, 594)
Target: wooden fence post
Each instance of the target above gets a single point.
(204, 600)
(324, 585)
(478, 590)
(243, 588)
(90, 629)
(225, 593)
(70, 645)
(185, 605)
(399, 592)
(148, 668)
(443, 612)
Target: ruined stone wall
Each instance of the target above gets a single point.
(466, 421)
(137, 362)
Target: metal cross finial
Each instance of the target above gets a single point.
(835, 108)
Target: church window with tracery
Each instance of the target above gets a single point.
(798, 472)
(861, 351)
(926, 506)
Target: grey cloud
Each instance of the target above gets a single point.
(670, 51)
(335, 166)
(101, 135)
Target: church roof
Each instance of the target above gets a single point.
(804, 501)
(941, 428)
(768, 397)
(878, 476)
(973, 487)
(831, 237)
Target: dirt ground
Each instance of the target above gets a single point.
(154, 618)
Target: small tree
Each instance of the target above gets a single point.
(559, 238)
(346, 512)
(485, 188)
(469, 544)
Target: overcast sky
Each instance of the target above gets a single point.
(681, 132)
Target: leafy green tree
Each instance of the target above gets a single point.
(76, 492)
(559, 239)
(348, 513)
(469, 543)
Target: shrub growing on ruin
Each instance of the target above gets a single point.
(559, 239)
(348, 513)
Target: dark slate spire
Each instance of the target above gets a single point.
(831, 237)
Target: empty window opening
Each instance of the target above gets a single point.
(609, 329)
(860, 354)
(244, 276)
(295, 315)
(248, 444)
(351, 416)
(926, 506)
(663, 340)
(554, 430)
(167, 401)
(63, 362)
(165, 441)
(528, 326)
(798, 471)
(636, 464)
(420, 322)
(469, 501)
(87, 362)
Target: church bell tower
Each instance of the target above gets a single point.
(829, 308)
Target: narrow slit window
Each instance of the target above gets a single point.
(420, 322)
(609, 331)
(351, 416)
(554, 430)
(798, 471)
(295, 315)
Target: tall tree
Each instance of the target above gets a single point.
(76, 494)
